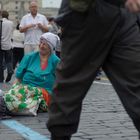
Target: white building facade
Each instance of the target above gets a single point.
(18, 8)
(51, 3)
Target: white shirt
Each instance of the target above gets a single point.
(7, 32)
(32, 35)
(18, 39)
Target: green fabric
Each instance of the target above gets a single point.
(80, 5)
(24, 100)
(30, 72)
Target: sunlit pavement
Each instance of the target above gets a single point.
(103, 118)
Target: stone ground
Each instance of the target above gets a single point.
(103, 118)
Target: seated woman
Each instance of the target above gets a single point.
(35, 77)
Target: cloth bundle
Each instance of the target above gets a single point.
(25, 100)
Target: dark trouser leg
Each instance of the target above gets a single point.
(123, 69)
(21, 54)
(8, 60)
(53, 137)
(125, 76)
(18, 54)
(1, 66)
(15, 57)
(82, 54)
(9, 64)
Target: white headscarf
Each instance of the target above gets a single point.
(53, 40)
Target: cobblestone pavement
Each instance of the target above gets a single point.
(103, 118)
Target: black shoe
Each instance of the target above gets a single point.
(60, 138)
(9, 76)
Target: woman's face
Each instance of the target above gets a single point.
(44, 48)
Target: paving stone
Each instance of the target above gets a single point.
(102, 118)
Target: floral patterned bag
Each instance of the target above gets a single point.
(24, 100)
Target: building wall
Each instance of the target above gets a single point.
(18, 8)
(39, 3)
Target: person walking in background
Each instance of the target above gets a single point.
(96, 33)
(18, 46)
(6, 46)
(33, 25)
(54, 28)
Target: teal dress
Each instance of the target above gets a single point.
(30, 72)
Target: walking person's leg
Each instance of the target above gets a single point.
(15, 57)
(21, 54)
(86, 41)
(18, 54)
(123, 67)
(9, 63)
(1, 66)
